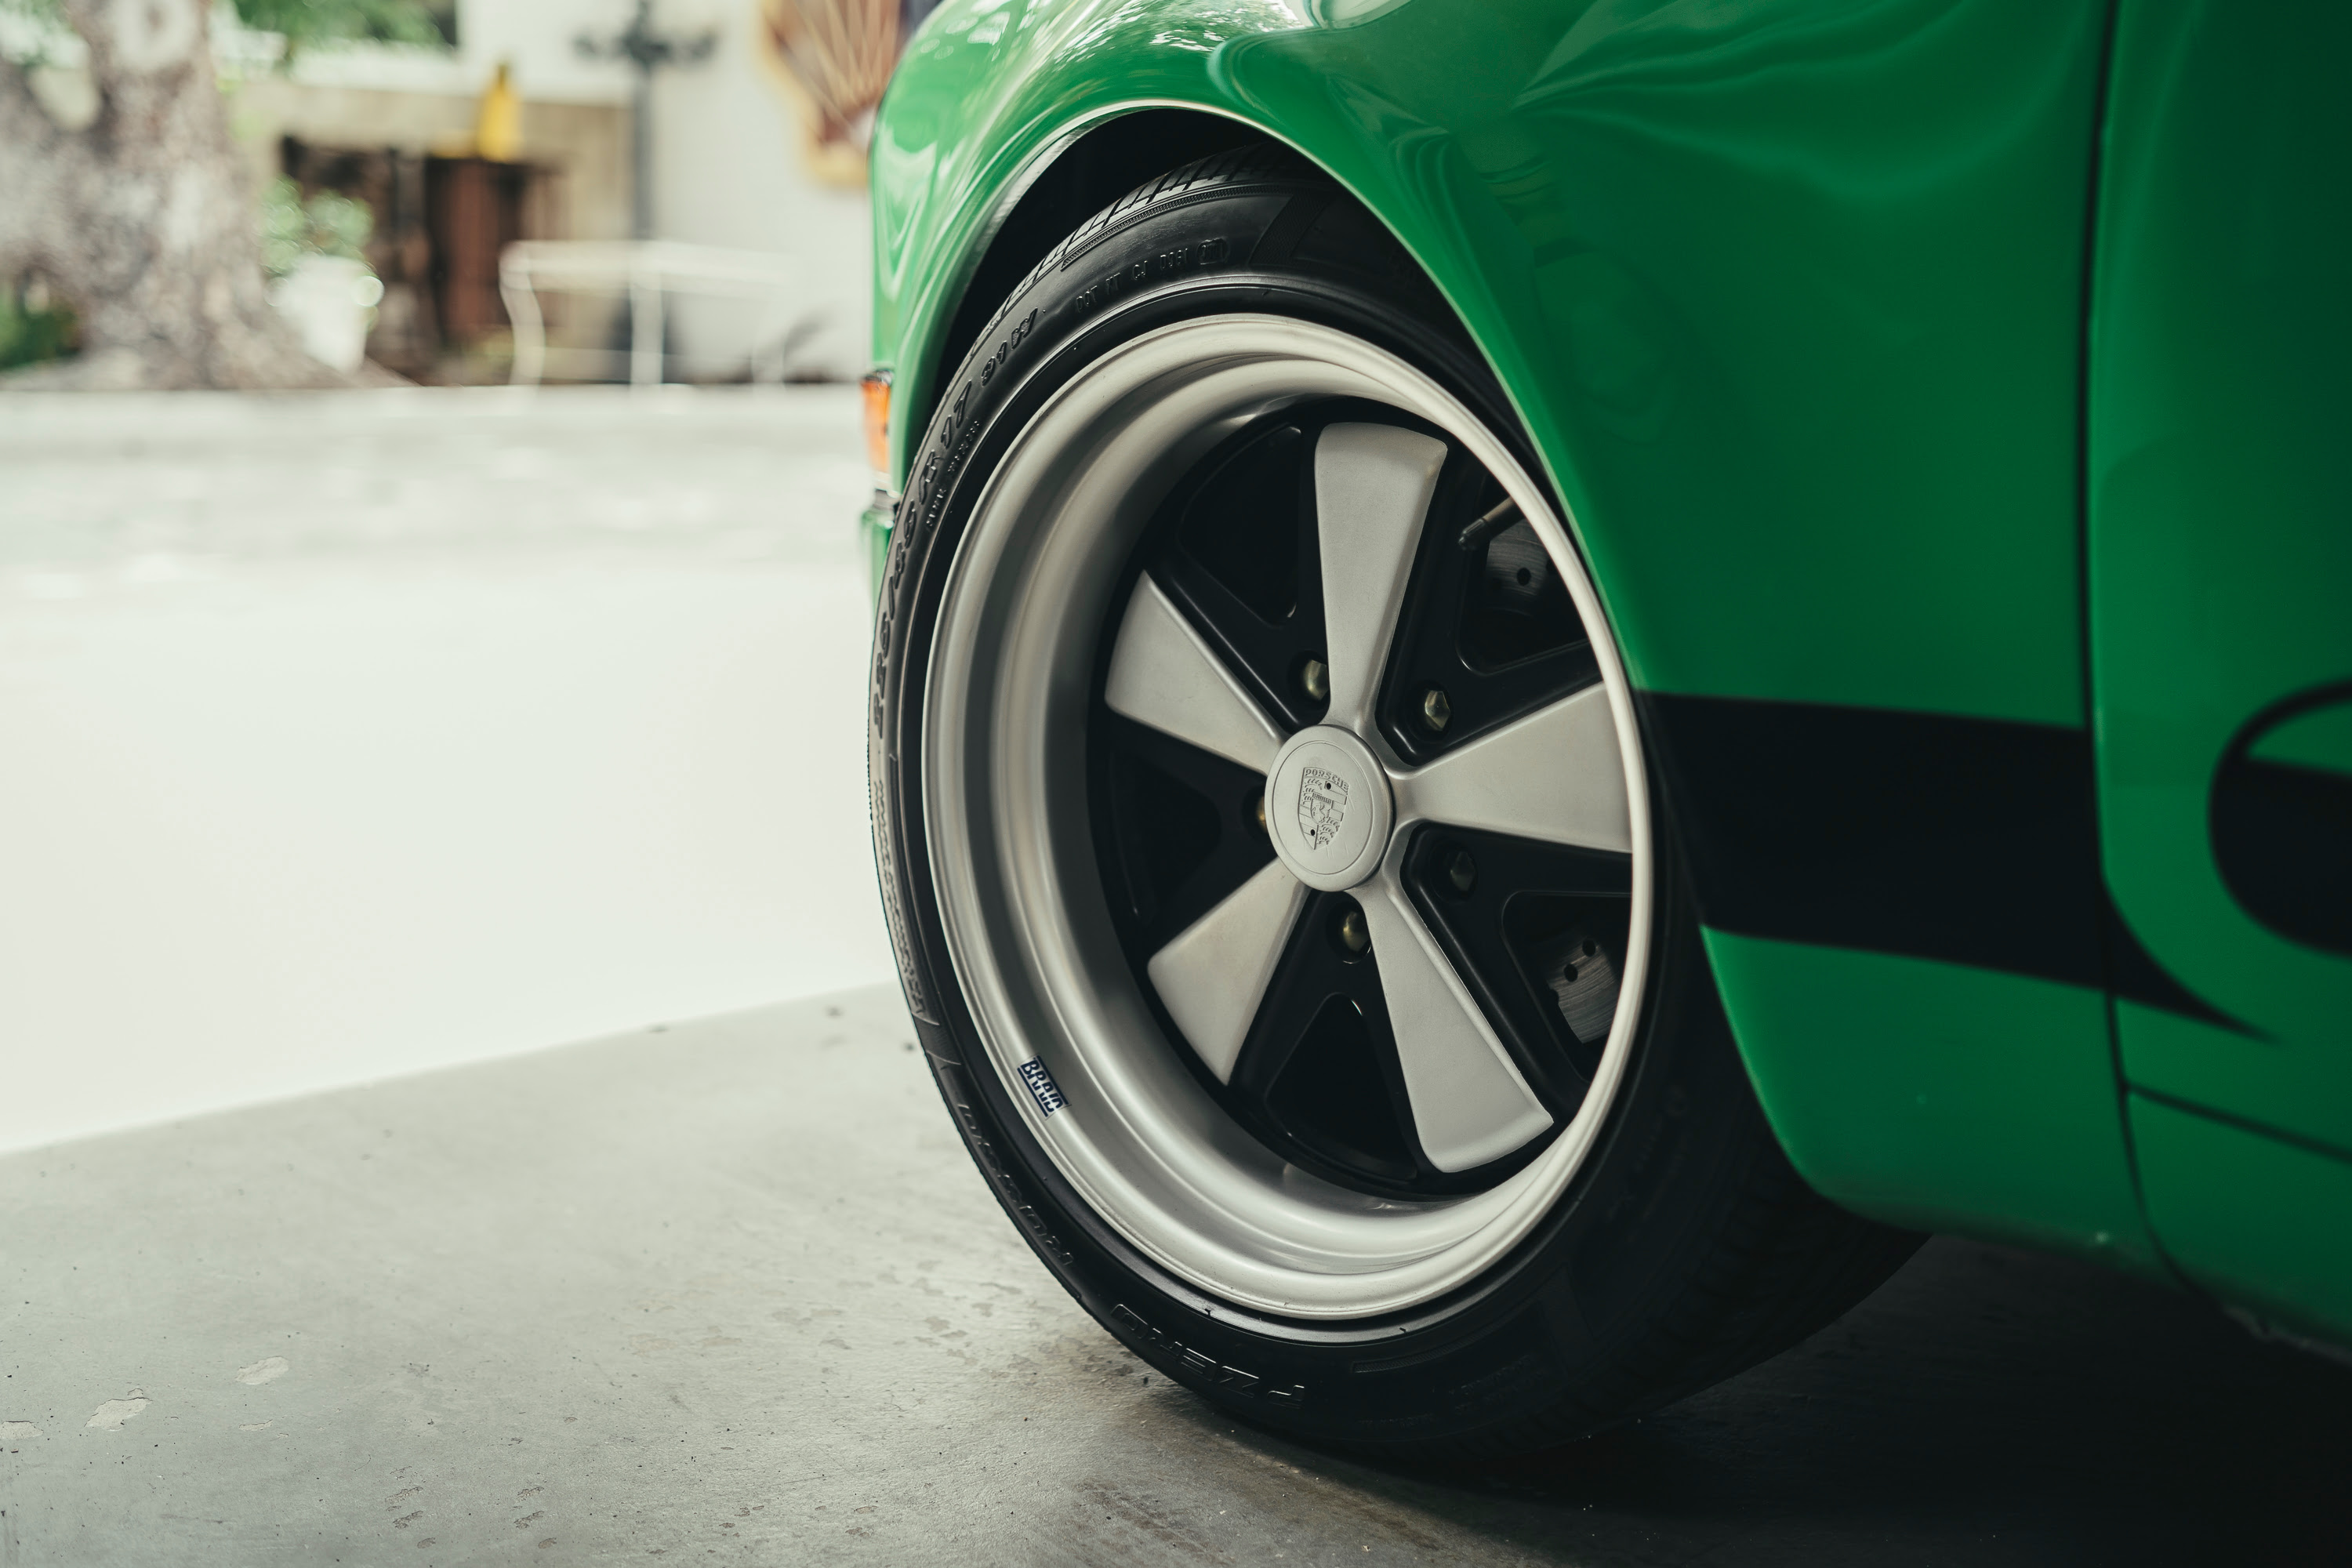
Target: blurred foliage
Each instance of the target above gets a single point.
(325, 224)
(34, 327)
(307, 22)
(29, 32)
(303, 23)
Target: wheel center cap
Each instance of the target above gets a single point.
(1327, 808)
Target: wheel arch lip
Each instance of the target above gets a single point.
(923, 273)
(941, 203)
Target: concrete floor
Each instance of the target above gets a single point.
(355, 734)
(731, 1291)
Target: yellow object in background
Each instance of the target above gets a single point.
(498, 127)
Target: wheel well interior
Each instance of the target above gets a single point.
(1090, 173)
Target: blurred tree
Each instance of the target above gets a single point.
(143, 219)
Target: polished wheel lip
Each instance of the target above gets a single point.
(1026, 601)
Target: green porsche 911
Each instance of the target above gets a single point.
(1550, 672)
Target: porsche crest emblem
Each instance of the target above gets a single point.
(1322, 804)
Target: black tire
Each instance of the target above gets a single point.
(1685, 1250)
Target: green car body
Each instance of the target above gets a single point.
(1949, 399)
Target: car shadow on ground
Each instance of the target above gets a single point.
(1985, 1406)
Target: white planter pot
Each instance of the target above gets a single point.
(330, 302)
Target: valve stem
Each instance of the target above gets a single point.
(1489, 523)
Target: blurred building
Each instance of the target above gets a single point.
(732, 165)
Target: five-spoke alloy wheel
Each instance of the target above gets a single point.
(1200, 900)
(1402, 972)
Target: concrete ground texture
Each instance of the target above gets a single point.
(358, 753)
(355, 734)
(731, 1291)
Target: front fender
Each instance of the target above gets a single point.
(1787, 291)
(1789, 294)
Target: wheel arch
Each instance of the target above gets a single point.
(1044, 134)
(1071, 173)
(1076, 176)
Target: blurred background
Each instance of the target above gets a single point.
(432, 622)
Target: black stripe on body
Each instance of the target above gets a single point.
(1970, 841)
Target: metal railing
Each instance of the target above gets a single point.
(646, 271)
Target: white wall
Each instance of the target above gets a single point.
(535, 35)
(728, 167)
(728, 170)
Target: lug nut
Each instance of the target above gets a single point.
(1354, 936)
(1435, 710)
(1315, 679)
(1462, 871)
